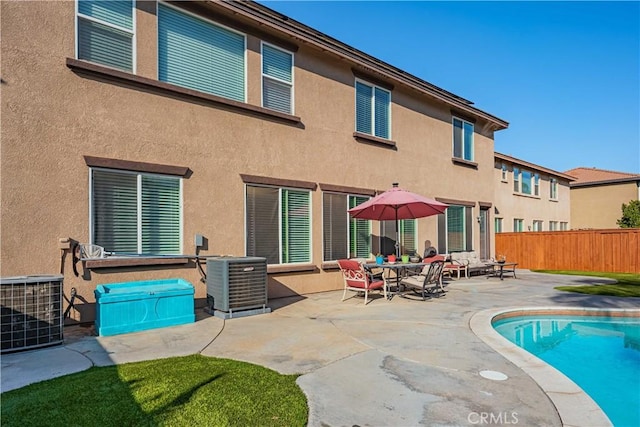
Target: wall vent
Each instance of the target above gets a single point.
(237, 286)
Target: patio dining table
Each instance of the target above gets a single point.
(400, 270)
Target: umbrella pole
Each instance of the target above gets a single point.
(397, 236)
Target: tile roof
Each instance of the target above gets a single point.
(597, 176)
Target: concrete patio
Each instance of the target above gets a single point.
(391, 363)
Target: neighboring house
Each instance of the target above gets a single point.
(597, 196)
(137, 126)
(529, 197)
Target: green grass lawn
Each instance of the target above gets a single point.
(180, 391)
(628, 284)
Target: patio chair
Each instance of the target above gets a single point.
(356, 279)
(428, 281)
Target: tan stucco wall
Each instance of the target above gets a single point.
(511, 205)
(601, 206)
(52, 117)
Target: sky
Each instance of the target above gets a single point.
(565, 75)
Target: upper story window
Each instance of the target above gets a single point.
(136, 213)
(200, 55)
(105, 33)
(526, 182)
(278, 222)
(553, 189)
(342, 235)
(462, 139)
(504, 172)
(277, 79)
(373, 110)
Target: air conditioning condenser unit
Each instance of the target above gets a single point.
(237, 286)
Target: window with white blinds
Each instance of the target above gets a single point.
(407, 233)
(278, 222)
(344, 236)
(359, 231)
(463, 139)
(106, 32)
(135, 213)
(455, 229)
(277, 79)
(373, 110)
(200, 55)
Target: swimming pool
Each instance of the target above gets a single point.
(600, 353)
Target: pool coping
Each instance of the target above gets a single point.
(575, 407)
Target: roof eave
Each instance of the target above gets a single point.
(511, 159)
(268, 17)
(606, 181)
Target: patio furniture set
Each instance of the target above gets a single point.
(393, 279)
(422, 278)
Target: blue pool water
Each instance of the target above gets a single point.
(600, 354)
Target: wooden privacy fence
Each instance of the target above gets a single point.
(614, 250)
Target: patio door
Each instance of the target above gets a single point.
(485, 235)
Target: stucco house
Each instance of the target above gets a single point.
(530, 197)
(140, 126)
(597, 196)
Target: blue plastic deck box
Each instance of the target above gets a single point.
(137, 306)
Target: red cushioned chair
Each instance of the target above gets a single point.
(356, 279)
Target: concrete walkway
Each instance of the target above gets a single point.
(392, 363)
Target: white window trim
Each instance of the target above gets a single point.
(415, 233)
(247, 185)
(347, 195)
(280, 224)
(263, 76)
(504, 172)
(473, 139)
(209, 21)
(518, 177)
(139, 203)
(552, 182)
(133, 32)
(373, 110)
(520, 222)
(464, 231)
(499, 220)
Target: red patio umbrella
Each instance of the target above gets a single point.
(396, 204)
